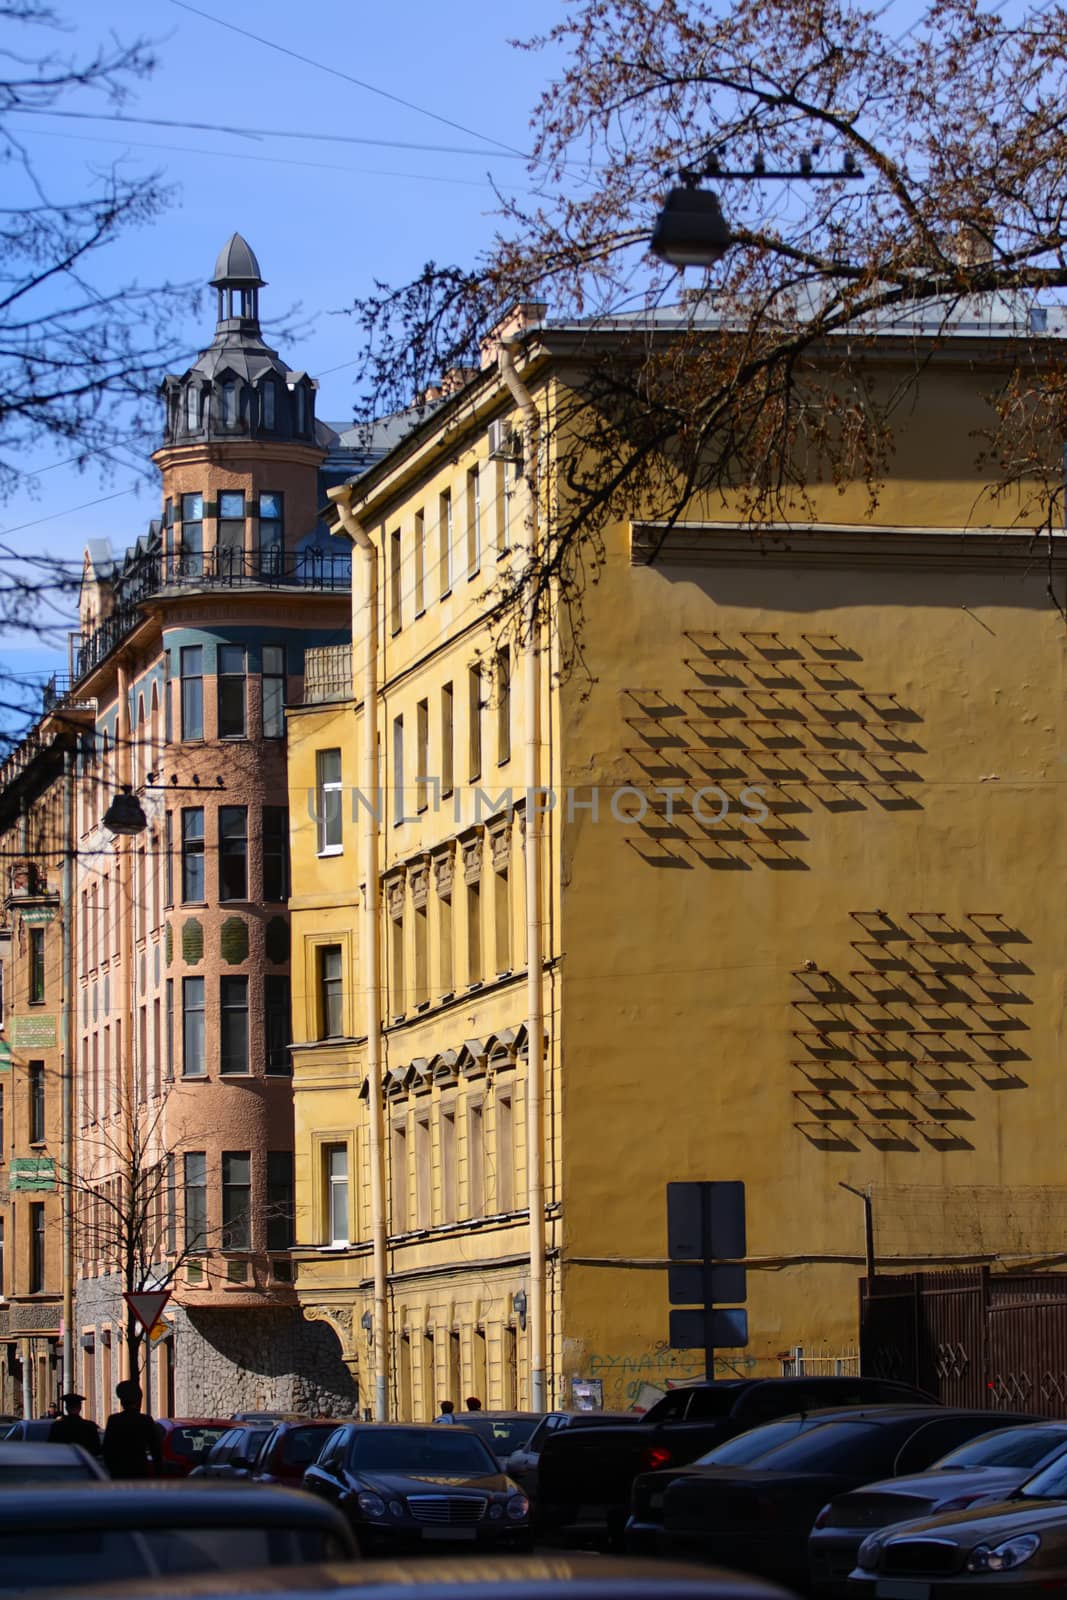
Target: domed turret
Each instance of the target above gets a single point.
(239, 386)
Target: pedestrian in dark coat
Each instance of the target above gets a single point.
(131, 1438)
(73, 1428)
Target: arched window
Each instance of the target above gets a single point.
(229, 405)
(192, 408)
(267, 405)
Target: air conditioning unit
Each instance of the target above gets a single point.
(504, 442)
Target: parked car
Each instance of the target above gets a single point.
(37, 1429)
(404, 1486)
(185, 1442)
(234, 1452)
(522, 1463)
(556, 1577)
(290, 1448)
(100, 1532)
(502, 1431)
(47, 1463)
(586, 1474)
(758, 1518)
(644, 1528)
(1012, 1548)
(987, 1469)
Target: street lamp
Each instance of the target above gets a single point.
(125, 815)
(691, 230)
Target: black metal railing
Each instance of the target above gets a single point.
(219, 568)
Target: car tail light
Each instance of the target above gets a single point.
(655, 1456)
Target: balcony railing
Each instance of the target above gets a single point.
(215, 569)
(327, 673)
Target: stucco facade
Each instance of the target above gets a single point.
(794, 907)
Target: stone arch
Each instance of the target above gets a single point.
(340, 1320)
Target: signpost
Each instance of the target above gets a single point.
(706, 1233)
(147, 1306)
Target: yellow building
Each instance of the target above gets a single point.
(793, 829)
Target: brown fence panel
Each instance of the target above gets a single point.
(1028, 1344)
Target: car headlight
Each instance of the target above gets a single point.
(1004, 1557)
(372, 1505)
(518, 1508)
(869, 1551)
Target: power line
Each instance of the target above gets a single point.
(69, 511)
(346, 77)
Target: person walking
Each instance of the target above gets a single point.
(448, 1412)
(473, 1403)
(131, 1437)
(73, 1428)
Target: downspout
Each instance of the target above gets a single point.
(365, 625)
(67, 1081)
(125, 1069)
(535, 1019)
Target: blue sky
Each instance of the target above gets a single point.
(325, 218)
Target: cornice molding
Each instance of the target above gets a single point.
(845, 546)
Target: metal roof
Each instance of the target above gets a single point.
(237, 265)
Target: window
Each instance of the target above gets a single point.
(474, 721)
(503, 705)
(503, 508)
(444, 534)
(233, 1024)
(170, 1029)
(448, 1166)
(36, 973)
(195, 1200)
(193, 886)
(236, 1200)
(193, 1062)
(423, 1173)
(474, 522)
(422, 753)
(474, 932)
(475, 1162)
(192, 408)
(231, 689)
(192, 662)
(446, 975)
(328, 772)
(505, 1154)
(448, 739)
(335, 1163)
(2, 1145)
(301, 410)
(398, 771)
(331, 992)
(37, 1247)
(271, 533)
(399, 995)
(192, 555)
(230, 542)
(267, 401)
(276, 853)
(273, 691)
(422, 993)
(229, 405)
(398, 1171)
(395, 578)
(502, 918)
(279, 1199)
(36, 1088)
(277, 1015)
(233, 852)
(420, 563)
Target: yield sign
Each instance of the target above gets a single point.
(146, 1306)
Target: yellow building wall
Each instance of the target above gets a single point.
(867, 986)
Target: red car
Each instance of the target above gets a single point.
(290, 1448)
(185, 1442)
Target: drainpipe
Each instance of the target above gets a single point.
(535, 1019)
(365, 626)
(67, 1081)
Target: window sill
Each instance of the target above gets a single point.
(38, 1144)
(476, 573)
(193, 905)
(331, 850)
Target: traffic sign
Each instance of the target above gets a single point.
(697, 1329)
(147, 1306)
(693, 1285)
(705, 1220)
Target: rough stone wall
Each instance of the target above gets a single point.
(270, 1360)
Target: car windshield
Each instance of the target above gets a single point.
(502, 1434)
(301, 1446)
(193, 1444)
(834, 1447)
(1049, 1483)
(419, 1450)
(747, 1446)
(1008, 1447)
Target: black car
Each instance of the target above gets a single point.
(758, 1519)
(644, 1529)
(233, 1454)
(402, 1486)
(522, 1464)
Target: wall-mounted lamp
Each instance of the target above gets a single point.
(125, 814)
(366, 1322)
(518, 1300)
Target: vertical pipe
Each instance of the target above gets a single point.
(67, 1080)
(27, 1378)
(535, 1019)
(365, 626)
(124, 1070)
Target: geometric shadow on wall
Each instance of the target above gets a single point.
(899, 1051)
(789, 715)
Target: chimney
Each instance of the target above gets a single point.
(519, 318)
